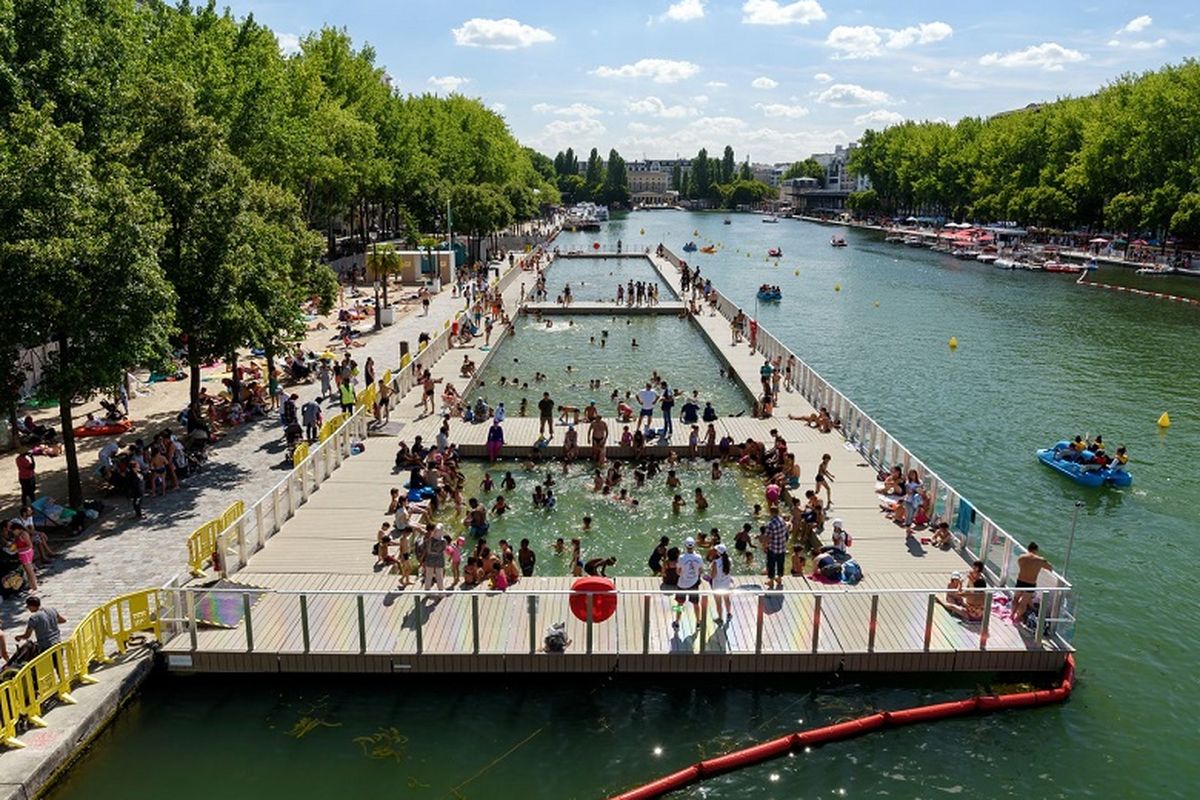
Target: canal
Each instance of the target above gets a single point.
(1037, 359)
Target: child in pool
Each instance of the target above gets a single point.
(487, 484)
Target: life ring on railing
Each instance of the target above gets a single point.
(604, 598)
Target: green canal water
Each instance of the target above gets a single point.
(1038, 359)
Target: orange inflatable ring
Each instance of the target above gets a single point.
(108, 429)
(603, 594)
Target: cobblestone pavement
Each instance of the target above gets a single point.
(122, 554)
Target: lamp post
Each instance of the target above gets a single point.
(378, 315)
(1071, 538)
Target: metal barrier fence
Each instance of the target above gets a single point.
(51, 674)
(346, 622)
(978, 536)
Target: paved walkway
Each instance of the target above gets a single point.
(121, 554)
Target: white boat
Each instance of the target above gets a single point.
(771, 219)
(894, 238)
(986, 258)
(965, 253)
(914, 241)
(1153, 271)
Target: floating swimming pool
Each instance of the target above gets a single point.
(618, 529)
(573, 351)
(595, 280)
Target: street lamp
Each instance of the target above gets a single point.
(378, 315)
(1071, 538)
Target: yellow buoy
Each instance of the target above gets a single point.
(953, 342)
(1165, 420)
(837, 287)
(643, 231)
(877, 304)
(796, 273)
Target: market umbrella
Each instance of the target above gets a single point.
(1139, 242)
(1098, 240)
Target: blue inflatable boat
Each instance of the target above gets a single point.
(690, 247)
(1058, 458)
(773, 296)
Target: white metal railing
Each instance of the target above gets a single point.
(908, 615)
(978, 536)
(249, 532)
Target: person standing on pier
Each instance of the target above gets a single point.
(690, 567)
(776, 548)
(667, 402)
(495, 440)
(648, 398)
(546, 415)
(598, 436)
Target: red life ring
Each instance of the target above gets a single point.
(604, 598)
(595, 245)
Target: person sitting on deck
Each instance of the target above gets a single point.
(967, 605)
(599, 566)
(468, 367)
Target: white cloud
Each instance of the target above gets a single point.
(447, 83)
(763, 82)
(822, 77)
(1136, 24)
(573, 110)
(771, 12)
(1114, 42)
(684, 11)
(641, 127)
(700, 99)
(580, 133)
(866, 41)
(660, 70)
(499, 108)
(716, 84)
(499, 34)
(782, 110)
(851, 95)
(879, 117)
(289, 43)
(654, 107)
(766, 143)
(953, 74)
(1048, 56)
(1160, 42)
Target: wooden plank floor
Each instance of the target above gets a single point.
(326, 548)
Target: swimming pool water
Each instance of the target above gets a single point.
(596, 279)
(618, 529)
(601, 348)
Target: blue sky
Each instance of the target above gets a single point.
(777, 80)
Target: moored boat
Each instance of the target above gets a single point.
(775, 252)
(1059, 459)
(837, 241)
(1061, 266)
(771, 219)
(769, 294)
(914, 241)
(708, 248)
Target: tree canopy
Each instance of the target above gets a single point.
(1126, 157)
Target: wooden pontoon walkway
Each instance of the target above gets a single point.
(353, 618)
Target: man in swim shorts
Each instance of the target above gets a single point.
(1029, 564)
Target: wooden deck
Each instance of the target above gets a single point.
(325, 548)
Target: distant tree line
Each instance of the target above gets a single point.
(719, 181)
(1126, 158)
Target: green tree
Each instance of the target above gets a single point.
(594, 176)
(616, 181)
(1124, 212)
(201, 187)
(727, 165)
(863, 203)
(745, 173)
(808, 168)
(701, 177)
(676, 177)
(79, 256)
(1185, 221)
(479, 210)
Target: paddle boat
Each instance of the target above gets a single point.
(1060, 458)
(837, 241)
(727, 221)
(690, 247)
(775, 252)
(1061, 266)
(769, 294)
(771, 219)
(708, 248)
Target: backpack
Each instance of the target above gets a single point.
(851, 572)
(556, 638)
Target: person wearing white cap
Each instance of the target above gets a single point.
(722, 582)
(691, 567)
(841, 538)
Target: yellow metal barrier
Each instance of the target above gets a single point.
(11, 709)
(299, 454)
(405, 360)
(202, 543)
(51, 674)
(331, 425)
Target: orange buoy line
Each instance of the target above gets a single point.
(1140, 292)
(848, 730)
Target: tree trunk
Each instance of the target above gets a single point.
(194, 370)
(74, 484)
(235, 385)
